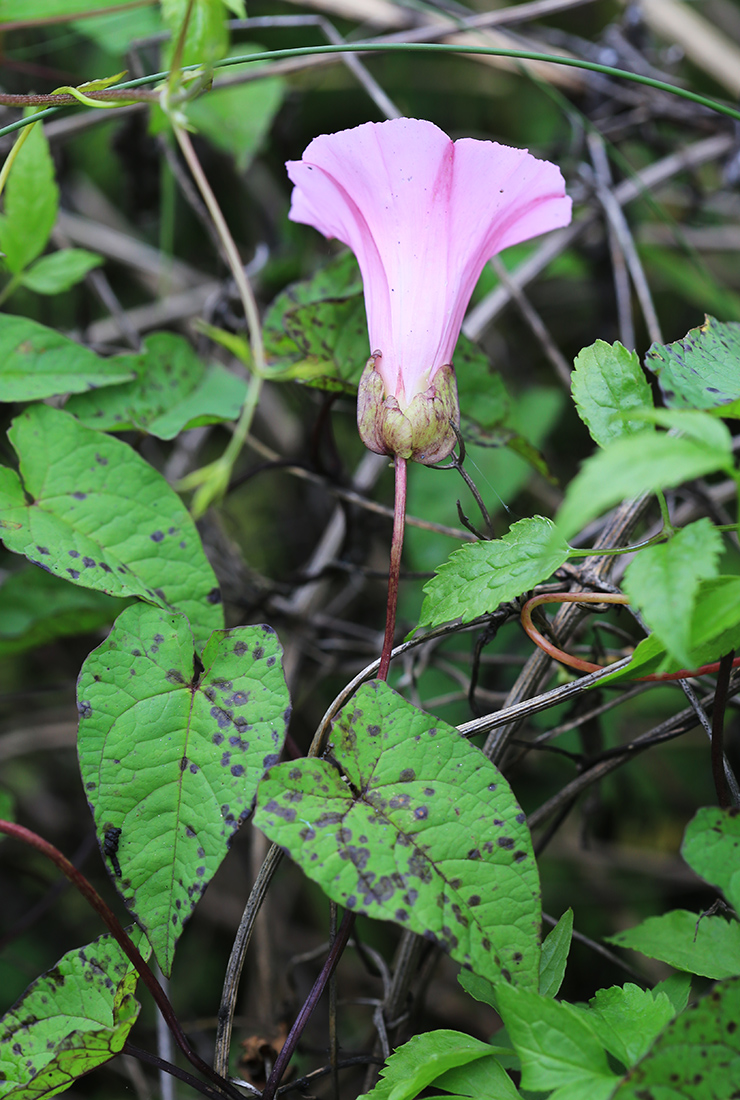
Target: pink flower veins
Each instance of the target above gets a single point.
(422, 214)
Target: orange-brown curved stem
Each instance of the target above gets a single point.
(588, 666)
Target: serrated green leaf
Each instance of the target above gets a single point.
(701, 371)
(627, 1019)
(480, 576)
(387, 841)
(633, 465)
(424, 1059)
(711, 847)
(70, 1020)
(663, 582)
(709, 946)
(554, 957)
(607, 382)
(485, 1077)
(697, 1057)
(37, 607)
(677, 988)
(87, 508)
(237, 119)
(60, 270)
(38, 362)
(31, 202)
(172, 390)
(558, 1048)
(170, 757)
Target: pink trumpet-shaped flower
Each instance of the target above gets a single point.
(422, 214)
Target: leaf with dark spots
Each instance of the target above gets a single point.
(481, 906)
(73, 1018)
(95, 500)
(162, 775)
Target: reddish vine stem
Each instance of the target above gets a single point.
(394, 572)
(109, 918)
(64, 99)
(335, 953)
(588, 666)
(718, 726)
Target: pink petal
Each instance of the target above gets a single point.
(423, 215)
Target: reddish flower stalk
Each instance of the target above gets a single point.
(394, 572)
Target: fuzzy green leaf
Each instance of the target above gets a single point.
(70, 1020)
(481, 575)
(172, 389)
(711, 847)
(61, 270)
(171, 757)
(555, 949)
(638, 464)
(607, 382)
(709, 946)
(697, 1056)
(663, 582)
(701, 371)
(38, 362)
(628, 1019)
(557, 1046)
(379, 825)
(87, 508)
(31, 203)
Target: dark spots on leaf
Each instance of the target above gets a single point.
(485, 944)
(328, 818)
(175, 677)
(101, 460)
(498, 821)
(519, 855)
(74, 573)
(270, 759)
(111, 839)
(307, 833)
(294, 774)
(505, 842)
(520, 818)
(286, 812)
(421, 813)
(506, 974)
(419, 866)
(237, 770)
(492, 786)
(410, 898)
(89, 562)
(351, 902)
(189, 831)
(238, 699)
(105, 567)
(270, 662)
(407, 775)
(200, 871)
(732, 1026)
(201, 853)
(217, 739)
(240, 649)
(226, 760)
(43, 549)
(358, 857)
(344, 835)
(433, 732)
(373, 731)
(174, 918)
(157, 536)
(121, 568)
(258, 653)
(84, 709)
(79, 496)
(399, 802)
(91, 786)
(401, 914)
(488, 847)
(223, 718)
(214, 596)
(429, 791)
(183, 764)
(474, 900)
(73, 553)
(474, 853)
(517, 956)
(455, 883)
(449, 937)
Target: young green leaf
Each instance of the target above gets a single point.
(555, 949)
(709, 946)
(70, 1020)
(172, 389)
(663, 582)
(207, 37)
(38, 362)
(715, 625)
(481, 575)
(60, 270)
(406, 821)
(628, 1019)
(701, 371)
(711, 847)
(37, 607)
(87, 508)
(485, 1077)
(558, 1047)
(171, 756)
(425, 1058)
(31, 202)
(638, 464)
(480, 988)
(607, 382)
(697, 1056)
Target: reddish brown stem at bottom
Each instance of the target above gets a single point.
(129, 948)
(394, 572)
